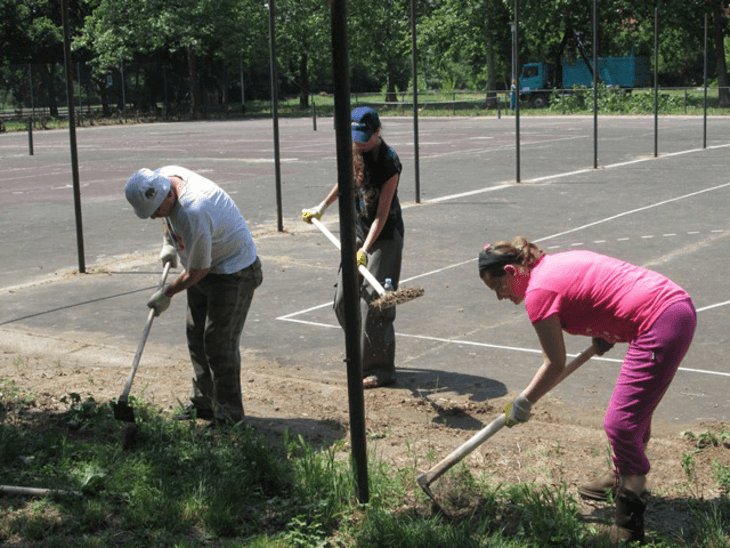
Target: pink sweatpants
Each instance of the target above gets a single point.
(648, 369)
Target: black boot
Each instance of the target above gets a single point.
(629, 522)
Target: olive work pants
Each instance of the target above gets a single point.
(217, 309)
(377, 334)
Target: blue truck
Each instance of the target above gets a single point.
(538, 81)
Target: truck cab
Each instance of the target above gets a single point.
(536, 83)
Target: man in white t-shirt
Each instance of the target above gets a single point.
(204, 227)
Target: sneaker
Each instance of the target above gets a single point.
(190, 412)
(600, 487)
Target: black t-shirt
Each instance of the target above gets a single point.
(381, 164)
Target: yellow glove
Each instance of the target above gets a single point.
(517, 411)
(362, 258)
(314, 212)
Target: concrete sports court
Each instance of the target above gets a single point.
(668, 213)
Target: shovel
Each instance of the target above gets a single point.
(122, 409)
(387, 298)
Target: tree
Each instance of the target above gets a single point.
(205, 36)
(467, 43)
(719, 18)
(303, 44)
(379, 34)
(34, 34)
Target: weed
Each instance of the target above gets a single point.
(13, 397)
(305, 533)
(689, 465)
(709, 525)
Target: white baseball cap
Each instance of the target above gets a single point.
(146, 190)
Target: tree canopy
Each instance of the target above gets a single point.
(202, 50)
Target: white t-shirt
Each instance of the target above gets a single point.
(207, 227)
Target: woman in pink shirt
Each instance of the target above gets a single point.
(585, 293)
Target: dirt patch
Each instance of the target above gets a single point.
(407, 427)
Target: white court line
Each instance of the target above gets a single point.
(637, 210)
(289, 317)
(710, 307)
(462, 195)
(501, 347)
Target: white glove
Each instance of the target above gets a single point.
(518, 411)
(315, 212)
(168, 255)
(159, 301)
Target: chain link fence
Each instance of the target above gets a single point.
(37, 93)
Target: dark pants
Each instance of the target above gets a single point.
(377, 334)
(217, 309)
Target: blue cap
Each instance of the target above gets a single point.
(365, 122)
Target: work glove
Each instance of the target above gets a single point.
(168, 255)
(601, 346)
(518, 411)
(362, 258)
(314, 213)
(159, 301)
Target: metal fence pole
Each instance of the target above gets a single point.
(414, 47)
(704, 101)
(516, 70)
(350, 274)
(595, 84)
(275, 116)
(124, 93)
(314, 115)
(656, 81)
(72, 135)
(30, 135)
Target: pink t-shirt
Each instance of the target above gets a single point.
(598, 296)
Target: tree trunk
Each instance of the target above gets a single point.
(104, 95)
(719, 40)
(192, 79)
(491, 81)
(49, 76)
(303, 81)
(390, 95)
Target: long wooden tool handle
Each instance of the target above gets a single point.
(579, 360)
(372, 280)
(143, 340)
(34, 491)
(461, 452)
(424, 480)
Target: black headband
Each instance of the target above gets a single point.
(488, 259)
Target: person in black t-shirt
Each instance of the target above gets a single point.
(380, 231)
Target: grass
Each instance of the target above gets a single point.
(170, 483)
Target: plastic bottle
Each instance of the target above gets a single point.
(388, 285)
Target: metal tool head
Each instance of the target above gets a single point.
(423, 481)
(425, 485)
(123, 411)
